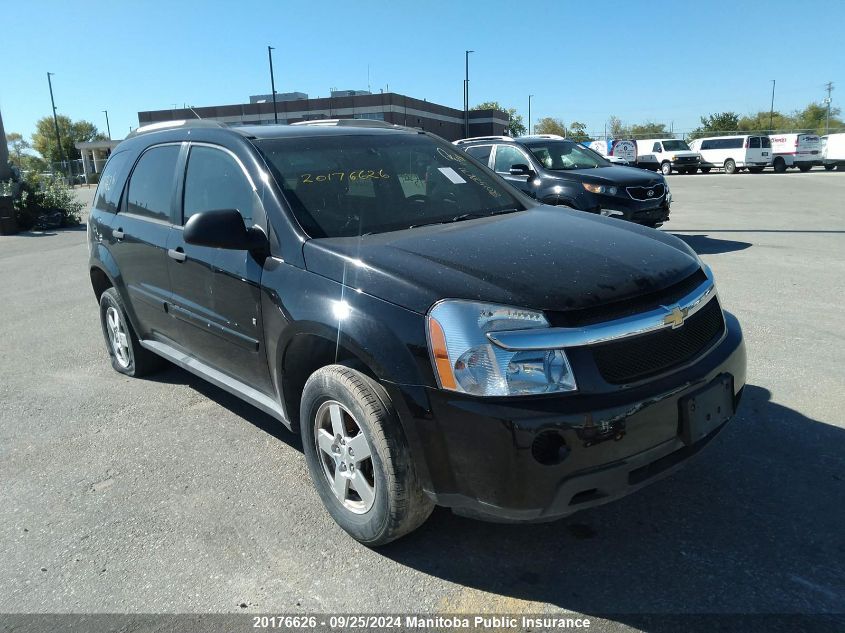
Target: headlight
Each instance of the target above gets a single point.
(673, 158)
(466, 361)
(609, 190)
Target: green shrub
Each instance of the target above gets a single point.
(31, 201)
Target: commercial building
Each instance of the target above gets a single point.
(345, 104)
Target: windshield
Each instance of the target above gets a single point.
(675, 146)
(557, 155)
(349, 185)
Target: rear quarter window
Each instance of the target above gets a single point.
(111, 184)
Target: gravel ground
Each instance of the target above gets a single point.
(169, 495)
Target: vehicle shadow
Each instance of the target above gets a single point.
(174, 375)
(705, 245)
(754, 525)
(51, 232)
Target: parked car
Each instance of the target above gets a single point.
(795, 150)
(833, 151)
(562, 172)
(734, 153)
(667, 155)
(434, 335)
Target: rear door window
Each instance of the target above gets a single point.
(754, 142)
(151, 184)
(480, 152)
(765, 142)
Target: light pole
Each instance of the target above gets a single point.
(108, 128)
(273, 84)
(529, 113)
(466, 94)
(55, 118)
(772, 109)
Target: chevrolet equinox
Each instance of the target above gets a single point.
(435, 335)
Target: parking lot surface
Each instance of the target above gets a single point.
(168, 495)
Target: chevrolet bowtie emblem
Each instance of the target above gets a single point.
(675, 318)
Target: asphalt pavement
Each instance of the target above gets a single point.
(167, 494)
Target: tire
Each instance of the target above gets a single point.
(705, 170)
(730, 166)
(830, 167)
(756, 170)
(666, 168)
(127, 355)
(805, 167)
(779, 165)
(391, 502)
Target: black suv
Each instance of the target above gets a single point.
(557, 171)
(435, 336)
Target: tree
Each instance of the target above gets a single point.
(721, 122)
(578, 132)
(813, 118)
(549, 125)
(650, 130)
(618, 129)
(516, 127)
(17, 147)
(70, 133)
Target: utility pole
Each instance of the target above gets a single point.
(55, 118)
(772, 109)
(466, 94)
(273, 84)
(108, 129)
(829, 87)
(529, 114)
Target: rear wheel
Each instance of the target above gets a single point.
(358, 458)
(127, 355)
(730, 166)
(666, 168)
(779, 165)
(805, 167)
(755, 170)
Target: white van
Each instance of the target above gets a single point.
(734, 153)
(833, 151)
(666, 154)
(796, 150)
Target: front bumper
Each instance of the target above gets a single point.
(480, 458)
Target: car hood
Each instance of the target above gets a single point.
(615, 174)
(546, 258)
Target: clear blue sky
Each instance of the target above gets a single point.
(583, 60)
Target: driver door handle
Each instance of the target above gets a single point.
(177, 253)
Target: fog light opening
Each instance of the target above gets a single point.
(549, 448)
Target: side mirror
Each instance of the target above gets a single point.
(224, 229)
(521, 169)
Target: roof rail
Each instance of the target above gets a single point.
(172, 125)
(351, 123)
(556, 137)
(482, 138)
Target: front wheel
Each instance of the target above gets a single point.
(779, 165)
(666, 168)
(358, 458)
(730, 166)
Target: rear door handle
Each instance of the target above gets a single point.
(118, 234)
(177, 253)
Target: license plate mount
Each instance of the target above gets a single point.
(706, 409)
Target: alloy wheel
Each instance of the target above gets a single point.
(118, 338)
(345, 457)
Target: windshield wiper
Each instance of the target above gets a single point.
(466, 216)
